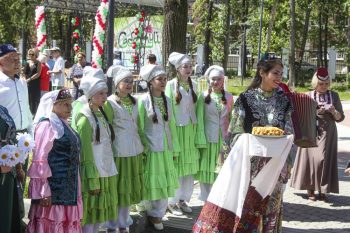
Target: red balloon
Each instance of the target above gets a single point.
(143, 13)
(141, 19)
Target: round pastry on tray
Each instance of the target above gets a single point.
(268, 131)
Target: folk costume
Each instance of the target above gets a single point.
(54, 171)
(213, 114)
(128, 148)
(161, 145)
(187, 164)
(98, 169)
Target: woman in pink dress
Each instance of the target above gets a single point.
(54, 185)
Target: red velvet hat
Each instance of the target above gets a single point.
(322, 74)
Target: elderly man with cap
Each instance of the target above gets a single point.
(315, 169)
(13, 90)
(14, 97)
(57, 73)
(158, 134)
(182, 93)
(121, 109)
(98, 169)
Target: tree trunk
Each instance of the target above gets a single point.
(305, 31)
(227, 36)
(348, 39)
(319, 52)
(174, 28)
(325, 49)
(207, 35)
(272, 21)
(292, 44)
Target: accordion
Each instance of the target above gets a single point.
(304, 120)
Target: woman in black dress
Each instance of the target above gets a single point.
(32, 71)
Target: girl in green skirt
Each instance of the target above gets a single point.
(213, 113)
(182, 94)
(98, 169)
(158, 134)
(121, 108)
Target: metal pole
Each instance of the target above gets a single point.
(260, 28)
(110, 33)
(110, 41)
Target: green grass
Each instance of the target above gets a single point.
(235, 87)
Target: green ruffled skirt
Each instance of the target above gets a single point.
(102, 207)
(160, 179)
(188, 161)
(208, 162)
(129, 179)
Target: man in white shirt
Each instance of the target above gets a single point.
(14, 90)
(57, 73)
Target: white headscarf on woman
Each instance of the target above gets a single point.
(178, 59)
(45, 111)
(93, 81)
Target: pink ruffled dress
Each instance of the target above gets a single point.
(54, 218)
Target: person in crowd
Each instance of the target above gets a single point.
(262, 104)
(10, 219)
(57, 73)
(98, 169)
(44, 76)
(121, 107)
(82, 100)
(152, 59)
(213, 113)
(315, 169)
(13, 90)
(183, 97)
(117, 61)
(158, 133)
(54, 186)
(76, 73)
(14, 97)
(32, 70)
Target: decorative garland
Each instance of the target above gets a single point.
(76, 34)
(138, 38)
(99, 34)
(40, 28)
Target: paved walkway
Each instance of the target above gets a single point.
(300, 214)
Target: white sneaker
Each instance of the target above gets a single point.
(158, 226)
(156, 222)
(184, 207)
(175, 210)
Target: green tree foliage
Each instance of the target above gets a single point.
(14, 16)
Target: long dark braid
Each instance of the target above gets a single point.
(166, 116)
(194, 95)
(154, 118)
(178, 96)
(97, 133)
(223, 98)
(109, 124)
(207, 99)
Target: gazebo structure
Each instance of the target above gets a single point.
(90, 7)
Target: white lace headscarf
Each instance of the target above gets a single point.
(45, 111)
